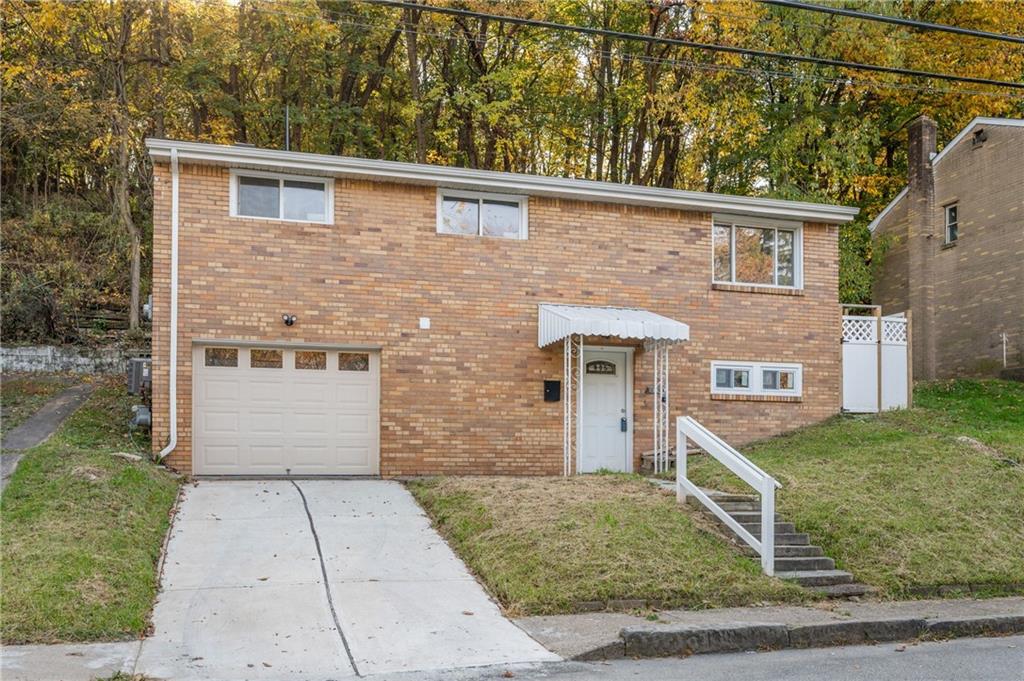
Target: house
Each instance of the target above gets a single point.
(336, 315)
(953, 243)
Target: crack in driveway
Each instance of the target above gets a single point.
(327, 582)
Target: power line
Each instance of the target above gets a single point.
(820, 61)
(361, 21)
(900, 21)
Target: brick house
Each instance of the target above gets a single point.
(336, 315)
(954, 249)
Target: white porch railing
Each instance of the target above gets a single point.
(763, 484)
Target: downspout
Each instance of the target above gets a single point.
(173, 376)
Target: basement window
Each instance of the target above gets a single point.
(478, 214)
(756, 378)
(281, 197)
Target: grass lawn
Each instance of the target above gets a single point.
(897, 499)
(22, 394)
(542, 545)
(82, 530)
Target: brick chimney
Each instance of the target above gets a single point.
(923, 242)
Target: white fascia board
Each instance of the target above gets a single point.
(493, 181)
(979, 120)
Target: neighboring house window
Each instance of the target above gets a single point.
(952, 228)
(749, 253)
(476, 214)
(281, 197)
(756, 378)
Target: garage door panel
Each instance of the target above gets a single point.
(273, 420)
(220, 422)
(221, 390)
(265, 422)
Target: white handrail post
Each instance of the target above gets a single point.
(768, 526)
(680, 461)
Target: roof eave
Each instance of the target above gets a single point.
(464, 178)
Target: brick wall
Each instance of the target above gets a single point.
(466, 396)
(976, 288)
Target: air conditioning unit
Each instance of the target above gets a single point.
(140, 375)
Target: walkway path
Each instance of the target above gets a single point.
(39, 427)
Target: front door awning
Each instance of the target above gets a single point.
(557, 322)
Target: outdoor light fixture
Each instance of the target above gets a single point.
(288, 319)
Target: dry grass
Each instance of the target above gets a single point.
(545, 545)
(22, 394)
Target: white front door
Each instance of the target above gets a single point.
(604, 417)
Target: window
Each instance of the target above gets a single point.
(353, 361)
(310, 359)
(221, 357)
(756, 378)
(763, 255)
(265, 359)
(952, 226)
(281, 197)
(475, 214)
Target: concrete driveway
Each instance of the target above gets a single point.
(318, 580)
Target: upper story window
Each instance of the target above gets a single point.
(756, 378)
(758, 253)
(952, 227)
(281, 197)
(477, 214)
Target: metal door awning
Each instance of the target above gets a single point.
(557, 322)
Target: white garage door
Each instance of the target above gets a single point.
(273, 411)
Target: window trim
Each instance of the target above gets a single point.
(522, 200)
(946, 223)
(327, 182)
(734, 221)
(757, 370)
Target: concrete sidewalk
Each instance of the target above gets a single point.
(40, 426)
(594, 636)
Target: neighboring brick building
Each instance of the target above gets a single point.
(954, 249)
(353, 332)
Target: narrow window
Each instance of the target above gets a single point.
(310, 359)
(755, 378)
(952, 227)
(492, 215)
(353, 361)
(221, 357)
(265, 359)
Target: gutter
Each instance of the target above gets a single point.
(173, 376)
(493, 181)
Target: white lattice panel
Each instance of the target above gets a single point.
(859, 330)
(894, 331)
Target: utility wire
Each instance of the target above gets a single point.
(900, 21)
(820, 61)
(361, 21)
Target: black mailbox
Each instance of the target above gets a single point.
(552, 391)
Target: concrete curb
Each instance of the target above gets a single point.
(676, 640)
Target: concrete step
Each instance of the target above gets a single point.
(730, 506)
(789, 538)
(816, 577)
(722, 497)
(842, 590)
(780, 528)
(744, 517)
(803, 563)
(784, 551)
